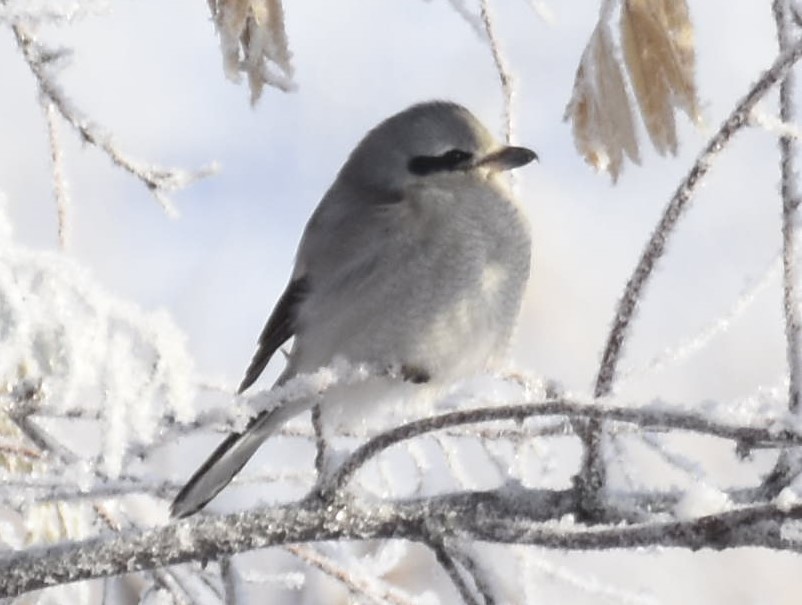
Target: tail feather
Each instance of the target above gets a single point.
(224, 463)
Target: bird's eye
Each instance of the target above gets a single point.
(453, 159)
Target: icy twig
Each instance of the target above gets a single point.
(790, 202)
(646, 418)
(60, 191)
(504, 75)
(673, 212)
(210, 537)
(470, 565)
(448, 564)
(160, 181)
(675, 354)
(774, 125)
(27, 12)
(592, 474)
(320, 440)
(787, 466)
(589, 584)
(368, 588)
(543, 10)
(229, 581)
(473, 21)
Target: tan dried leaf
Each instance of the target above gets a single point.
(253, 40)
(617, 124)
(599, 109)
(658, 45)
(230, 17)
(680, 29)
(647, 52)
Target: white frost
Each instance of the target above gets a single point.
(78, 350)
(701, 499)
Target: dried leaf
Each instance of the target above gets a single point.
(680, 29)
(658, 44)
(614, 109)
(583, 116)
(646, 50)
(599, 109)
(253, 40)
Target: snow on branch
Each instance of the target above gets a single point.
(593, 472)
(509, 514)
(506, 81)
(208, 538)
(43, 63)
(69, 347)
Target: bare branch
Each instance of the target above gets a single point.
(592, 477)
(504, 76)
(60, 190)
(368, 588)
(790, 202)
(206, 538)
(478, 575)
(787, 464)
(159, 181)
(455, 575)
(674, 210)
(320, 440)
(644, 417)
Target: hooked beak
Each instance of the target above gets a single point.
(507, 158)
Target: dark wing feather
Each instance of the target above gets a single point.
(280, 327)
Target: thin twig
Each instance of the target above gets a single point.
(60, 190)
(672, 213)
(592, 477)
(644, 417)
(229, 581)
(320, 440)
(452, 571)
(473, 21)
(787, 466)
(158, 180)
(480, 579)
(790, 202)
(504, 76)
(367, 588)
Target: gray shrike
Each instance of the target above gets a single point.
(416, 258)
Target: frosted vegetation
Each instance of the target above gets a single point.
(98, 396)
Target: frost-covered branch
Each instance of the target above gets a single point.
(60, 189)
(790, 203)
(478, 575)
(207, 538)
(453, 572)
(592, 475)
(788, 464)
(673, 212)
(41, 61)
(369, 589)
(504, 76)
(747, 437)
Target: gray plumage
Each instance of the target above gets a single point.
(417, 257)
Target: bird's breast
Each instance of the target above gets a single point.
(441, 292)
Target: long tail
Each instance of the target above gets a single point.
(225, 462)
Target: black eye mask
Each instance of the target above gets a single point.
(453, 159)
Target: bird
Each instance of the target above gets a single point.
(417, 257)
